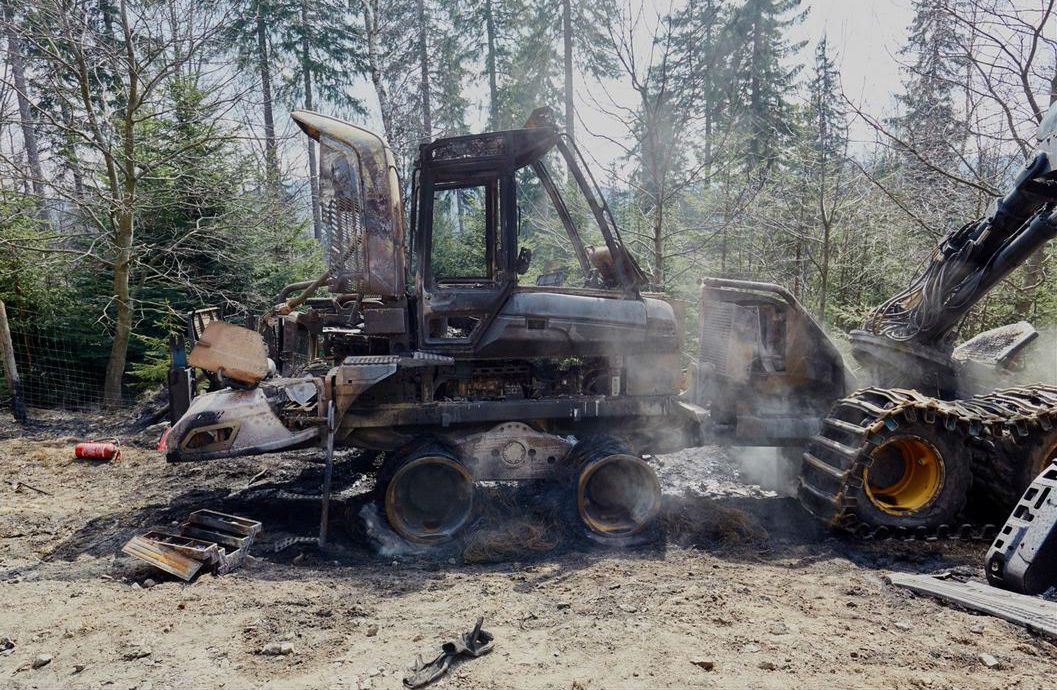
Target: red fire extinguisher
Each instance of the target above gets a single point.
(97, 450)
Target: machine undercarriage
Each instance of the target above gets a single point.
(442, 353)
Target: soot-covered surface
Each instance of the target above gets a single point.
(742, 579)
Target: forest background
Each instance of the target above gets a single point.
(147, 167)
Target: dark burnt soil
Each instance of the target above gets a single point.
(740, 577)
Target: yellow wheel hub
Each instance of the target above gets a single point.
(906, 474)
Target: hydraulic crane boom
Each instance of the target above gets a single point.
(918, 325)
(972, 259)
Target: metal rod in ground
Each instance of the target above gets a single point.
(11, 368)
(328, 473)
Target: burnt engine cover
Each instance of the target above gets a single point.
(555, 324)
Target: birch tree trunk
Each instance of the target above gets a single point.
(25, 112)
(313, 173)
(567, 39)
(374, 66)
(423, 63)
(271, 155)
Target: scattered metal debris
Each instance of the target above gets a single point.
(207, 538)
(1023, 557)
(475, 643)
(1033, 613)
(254, 478)
(17, 486)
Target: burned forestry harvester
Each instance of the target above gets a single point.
(447, 356)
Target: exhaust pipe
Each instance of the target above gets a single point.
(430, 499)
(617, 496)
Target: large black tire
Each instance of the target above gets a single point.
(607, 460)
(1002, 475)
(909, 470)
(426, 494)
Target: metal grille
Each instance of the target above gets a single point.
(717, 325)
(342, 212)
(729, 338)
(342, 219)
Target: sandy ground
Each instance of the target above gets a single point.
(744, 583)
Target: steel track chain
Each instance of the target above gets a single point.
(284, 544)
(1004, 417)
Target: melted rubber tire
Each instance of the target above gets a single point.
(585, 451)
(392, 466)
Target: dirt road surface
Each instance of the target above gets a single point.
(744, 592)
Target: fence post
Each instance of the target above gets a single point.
(11, 368)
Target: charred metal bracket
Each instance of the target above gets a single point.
(512, 451)
(1023, 557)
(475, 643)
(328, 475)
(207, 539)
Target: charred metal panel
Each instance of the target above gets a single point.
(664, 320)
(489, 145)
(998, 346)
(765, 369)
(387, 321)
(571, 409)
(626, 312)
(560, 324)
(1023, 557)
(357, 374)
(727, 341)
(229, 423)
(360, 198)
(235, 352)
(163, 556)
(342, 206)
(207, 539)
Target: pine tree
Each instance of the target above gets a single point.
(930, 133)
(450, 72)
(532, 50)
(702, 40)
(829, 142)
(322, 55)
(929, 123)
(765, 84)
(250, 34)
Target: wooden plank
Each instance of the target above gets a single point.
(1033, 613)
